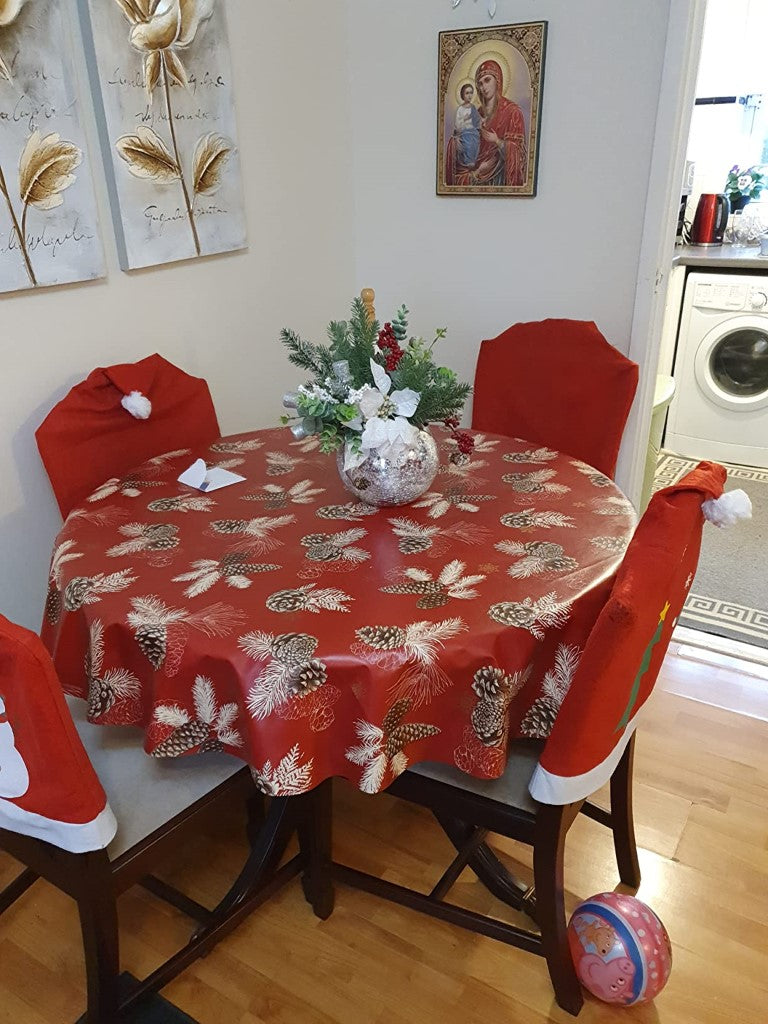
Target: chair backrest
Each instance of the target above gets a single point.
(625, 650)
(48, 788)
(557, 383)
(89, 436)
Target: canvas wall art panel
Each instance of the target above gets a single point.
(489, 110)
(49, 231)
(162, 80)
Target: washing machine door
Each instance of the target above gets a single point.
(732, 364)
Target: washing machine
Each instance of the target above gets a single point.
(720, 408)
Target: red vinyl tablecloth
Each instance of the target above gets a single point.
(313, 636)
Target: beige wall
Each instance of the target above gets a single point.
(218, 318)
(336, 103)
(478, 265)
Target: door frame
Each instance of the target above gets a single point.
(673, 120)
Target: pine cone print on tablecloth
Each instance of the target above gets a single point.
(293, 649)
(382, 638)
(153, 642)
(76, 591)
(183, 739)
(286, 601)
(540, 718)
(401, 736)
(489, 721)
(414, 545)
(308, 677)
(101, 697)
(489, 681)
(53, 604)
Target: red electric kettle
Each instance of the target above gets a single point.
(710, 219)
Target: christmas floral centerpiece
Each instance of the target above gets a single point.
(741, 186)
(373, 392)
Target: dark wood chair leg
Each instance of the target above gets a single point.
(17, 888)
(315, 843)
(552, 825)
(97, 905)
(256, 812)
(622, 819)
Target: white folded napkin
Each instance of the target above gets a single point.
(203, 479)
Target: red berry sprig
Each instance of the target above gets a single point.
(465, 442)
(388, 344)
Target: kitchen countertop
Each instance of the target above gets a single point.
(721, 256)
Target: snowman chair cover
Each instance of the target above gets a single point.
(48, 788)
(116, 419)
(626, 647)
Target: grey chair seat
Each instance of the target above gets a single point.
(511, 789)
(145, 792)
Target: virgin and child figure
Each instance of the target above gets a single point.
(488, 145)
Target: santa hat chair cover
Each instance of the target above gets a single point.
(625, 650)
(118, 417)
(48, 788)
(531, 378)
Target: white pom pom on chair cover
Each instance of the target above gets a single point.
(138, 405)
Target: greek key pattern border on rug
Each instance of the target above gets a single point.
(670, 468)
(741, 622)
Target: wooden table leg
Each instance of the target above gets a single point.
(315, 843)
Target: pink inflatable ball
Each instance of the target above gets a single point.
(620, 949)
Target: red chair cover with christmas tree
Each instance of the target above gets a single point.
(626, 647)
(557, 383)
(119, 417)
(48, 788)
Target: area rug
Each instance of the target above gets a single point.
(152, 1010)
(729, 594)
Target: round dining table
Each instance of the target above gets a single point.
(311, 635)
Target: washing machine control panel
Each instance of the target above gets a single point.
(758, 299)
(724, 296)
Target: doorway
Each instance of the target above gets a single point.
(726, 616)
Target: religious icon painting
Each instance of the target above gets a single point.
(49, 228)
(489, 110)
(162, 81)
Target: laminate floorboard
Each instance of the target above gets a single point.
(701, 777)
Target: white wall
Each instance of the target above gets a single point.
(478, 265)
(218, 318)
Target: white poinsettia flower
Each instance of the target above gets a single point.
(388, 437)
(406, 402)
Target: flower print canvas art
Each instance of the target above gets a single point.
(162, 81)
(49, 231)
(489, 110)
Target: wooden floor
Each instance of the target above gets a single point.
(702, 799)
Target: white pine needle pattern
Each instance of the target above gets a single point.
(207, 572)
(110, 583)
(182, 503)
(62, 554)
(256, 533)
(439, 503)
(236, 447)
(302, 493)
(530, 519)
(537, 482)
(289, 778)
(535, 616)
(280, 463)
(613, 506)
(557, 681)
(308, 599)
(538, 455)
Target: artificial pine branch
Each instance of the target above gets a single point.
(317, 359)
